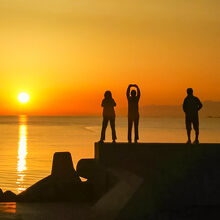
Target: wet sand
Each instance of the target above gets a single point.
(47, 211)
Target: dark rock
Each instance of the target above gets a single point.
(9, 196)
(63, 184)
(51, 189)
(63, 167)
(90, 168)
(1, 195)
(100, 179)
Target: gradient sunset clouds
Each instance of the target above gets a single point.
(65, 54)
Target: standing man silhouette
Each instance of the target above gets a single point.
(133, 111)
(108, 104)
(191, 107)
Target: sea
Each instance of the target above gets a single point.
(27, 143)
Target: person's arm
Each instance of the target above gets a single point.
(199, 104)
(128, 91)
(103, 103)
(114, 103)
(184, 105)
(138, 91)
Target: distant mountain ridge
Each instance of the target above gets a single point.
(210, 109)
(161, 111)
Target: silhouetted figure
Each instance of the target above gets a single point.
(191, 107)
(108, 104)
(133, 111)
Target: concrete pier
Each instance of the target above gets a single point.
(176, 177)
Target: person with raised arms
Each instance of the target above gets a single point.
(133, 98)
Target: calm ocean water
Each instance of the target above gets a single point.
(27, 144)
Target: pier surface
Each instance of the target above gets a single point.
(177, 179)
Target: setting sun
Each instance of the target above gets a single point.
(23, 97)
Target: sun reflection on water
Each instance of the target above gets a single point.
(22, 153)
(7, 207)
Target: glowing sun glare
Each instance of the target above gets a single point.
(23, 97)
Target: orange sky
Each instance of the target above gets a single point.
(65, 54)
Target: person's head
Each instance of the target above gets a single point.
(189, 91)
(133, 93)
(108, 94)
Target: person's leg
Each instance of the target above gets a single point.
(112, 123)
(104, 126)
(196, 128)
(197, 135)
(136, 123)
(188, 129)
(129, 129)
(189, 135)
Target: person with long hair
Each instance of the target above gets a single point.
(108, 104)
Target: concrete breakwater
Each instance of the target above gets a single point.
(179, 181)
(64, 183)
(136, 181)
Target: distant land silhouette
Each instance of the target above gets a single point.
(210, 109)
